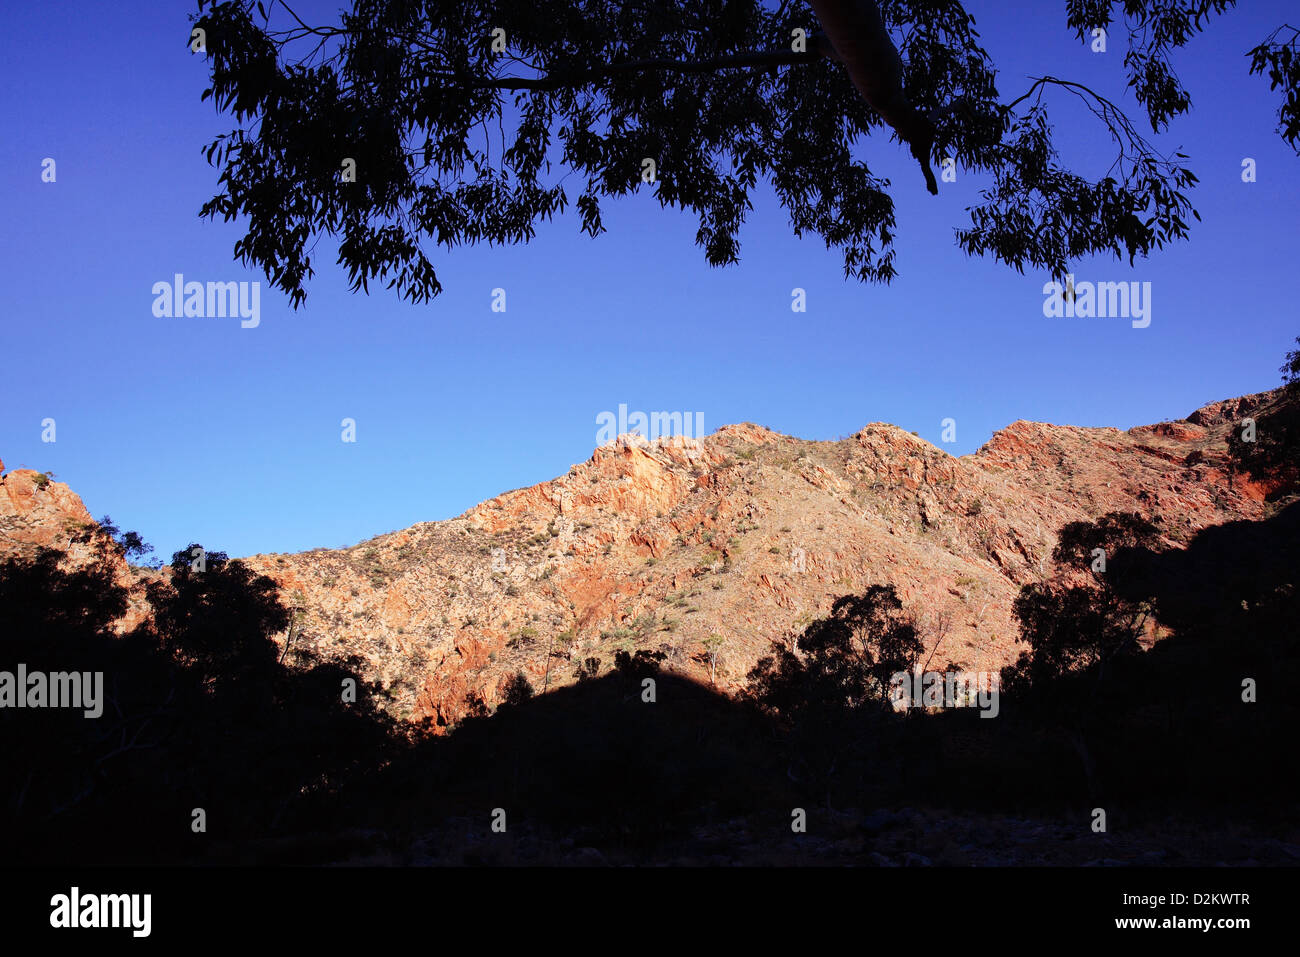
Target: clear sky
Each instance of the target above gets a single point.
(200, 430)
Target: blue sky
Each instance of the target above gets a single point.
(199, 430)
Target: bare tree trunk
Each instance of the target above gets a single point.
(546, 683)
(860, 40)
(293, 631)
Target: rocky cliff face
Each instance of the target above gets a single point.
(37, 512)
(747, 535)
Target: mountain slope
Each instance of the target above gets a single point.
(747, 535)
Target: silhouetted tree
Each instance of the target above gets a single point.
(475, 706)
(639, 665)
(128, 544)
(1079, 622)
(196, 709)
(368, 129)
(518, 689)
(834, 675)
(1268, 449)
(218, 618)
(844, 661)
(587, 669)
(1291, 365)
(69, 773)
(1279, 57)
(1079, 618)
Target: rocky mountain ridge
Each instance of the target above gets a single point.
(705, 550)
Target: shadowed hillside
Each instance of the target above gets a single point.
(640, 765)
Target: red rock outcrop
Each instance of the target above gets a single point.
(37, 512)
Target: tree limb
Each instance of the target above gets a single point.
(857, 32)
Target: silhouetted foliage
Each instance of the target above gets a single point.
(1268, 449)
(639, 665)
(403, 90)
(518, 690)
(831, 685)
(1279, 57)
(219, 620)
(475, 706)
(1079, 619)
(1073, 627)
(1170, 721)
(587, 669)
(128, 544)
(843, 661)
(1291, 368)
(197, 711)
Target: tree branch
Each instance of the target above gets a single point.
(857, 32)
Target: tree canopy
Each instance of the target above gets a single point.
(410, 124)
